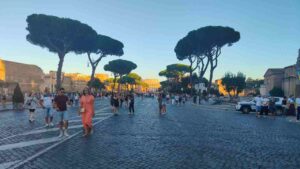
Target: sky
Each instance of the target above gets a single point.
(150, 29)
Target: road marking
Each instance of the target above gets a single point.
(79, 120)
(28, 143)
(6, 165)
(43, 127)
(56, 129)
(216, 108)
(52, 129)
(47, 149)
(96, 115)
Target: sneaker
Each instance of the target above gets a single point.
(61, 134)
(51, 124)
(66, 133)
(46, 125)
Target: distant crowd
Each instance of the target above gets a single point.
(289, 106)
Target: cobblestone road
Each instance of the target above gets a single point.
(186, 137)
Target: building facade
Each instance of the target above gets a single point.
(152, 85)
(283, 78)
(273, 78)
(29, 77)
(71, 82)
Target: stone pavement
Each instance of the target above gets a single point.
(8, 106)
(229, 107)
(186, 137)
(21, 141)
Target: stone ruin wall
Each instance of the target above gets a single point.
(29, 77)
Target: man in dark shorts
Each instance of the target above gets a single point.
(272, 108)
(160, 100)
(131, 104)
(60, 103)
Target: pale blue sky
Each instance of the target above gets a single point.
(150, 29)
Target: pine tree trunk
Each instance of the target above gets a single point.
(59, 71)
(191, 80)
(93, 74)
(211, 73)
(113, 88)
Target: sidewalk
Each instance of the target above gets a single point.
(222, 106)
(8, 106)
(292, 119)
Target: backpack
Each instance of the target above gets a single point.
(29, 102)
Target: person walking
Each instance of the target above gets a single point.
(72, 99)
(258, 102)
(176, 99)
(272, 108)
(195, 99)
(264, 106)
(60, 103)
(131, 104)
(31, 103)
(164, 104)
(121, 100)
(87, 111)
(184, 99)
(127, 100)
(168, 98)
(180, 100)
(76, 98)
(3, 101)
(159, 99)
(284, 105)
(112, 102)
(46, 103)
(298, 108)
(115, 101)
(172, 99)
(291, 105)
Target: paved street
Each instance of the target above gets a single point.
(186, 137)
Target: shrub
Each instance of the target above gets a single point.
(277, 92)
(18, 96)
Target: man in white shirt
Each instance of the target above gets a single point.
(258, 102)
(76, 97)
(176, 99)
(168, 98)
(265, 105)
(47, 104)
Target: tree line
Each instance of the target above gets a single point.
(202, 48)
(64, 35)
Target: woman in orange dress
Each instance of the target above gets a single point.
(87, 111)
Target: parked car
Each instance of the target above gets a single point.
(250, 106)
